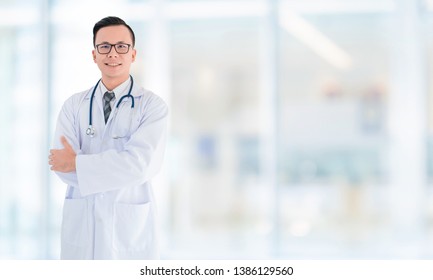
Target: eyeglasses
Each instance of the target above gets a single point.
(120, 48)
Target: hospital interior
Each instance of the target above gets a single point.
(297, 129)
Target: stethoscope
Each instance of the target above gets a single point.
(91, 130)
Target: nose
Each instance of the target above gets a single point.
(113, 52)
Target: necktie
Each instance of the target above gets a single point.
(108, 96)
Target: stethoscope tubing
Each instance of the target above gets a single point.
(90, 129)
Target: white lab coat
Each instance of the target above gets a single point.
(109, 208)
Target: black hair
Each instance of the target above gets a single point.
(110, 21)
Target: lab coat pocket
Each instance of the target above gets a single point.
(75, 223)
(131, 228)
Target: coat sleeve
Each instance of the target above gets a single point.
(137, 163)
(66, 126)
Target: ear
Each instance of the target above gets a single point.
(94, 55)
(134, 54)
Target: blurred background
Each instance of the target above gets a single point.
(298, 129)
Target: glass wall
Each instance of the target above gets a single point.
(298, 129)
(333, 91)
(218, 194)
(23, 120)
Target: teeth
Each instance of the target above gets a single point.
(113, 64)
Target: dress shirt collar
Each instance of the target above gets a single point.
(119, 91)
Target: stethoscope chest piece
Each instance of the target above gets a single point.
(90, 131)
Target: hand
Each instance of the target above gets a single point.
(62, 160)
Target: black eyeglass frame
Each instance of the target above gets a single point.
(111, 46)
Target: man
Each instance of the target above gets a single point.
(108, 144)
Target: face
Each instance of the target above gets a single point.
(114, 66)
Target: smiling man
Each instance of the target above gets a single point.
(114, 65)
(108, 145)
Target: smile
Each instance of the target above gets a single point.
(113, 64)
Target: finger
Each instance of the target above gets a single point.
(54, 152)
(65, 143)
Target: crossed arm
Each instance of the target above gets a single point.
(62, 160)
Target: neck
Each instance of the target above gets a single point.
(112, 83)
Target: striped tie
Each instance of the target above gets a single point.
(108, 96)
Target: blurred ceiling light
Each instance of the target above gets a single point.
(314, 39)
(18, 16)
(341, 6)
(429, 4)
(216, 9)
(67, 12)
